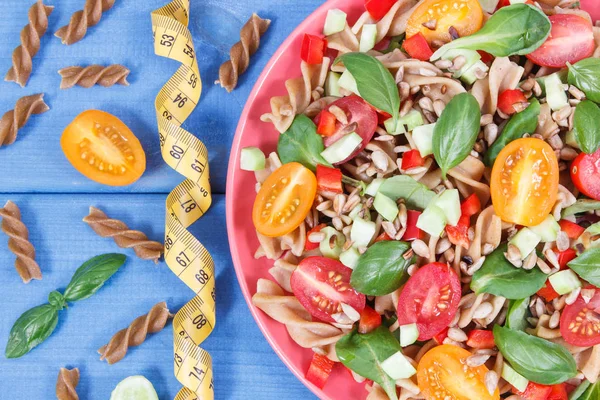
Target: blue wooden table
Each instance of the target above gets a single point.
(54, 198)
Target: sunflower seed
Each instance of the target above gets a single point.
(443, 64)
(539, 307)
(587, 294)
(487, 249)
(491, 382)
(457, 335)
(578, 94)
(412, 269)
(477, 360)
(556, 142)
(438, 107)
(551, 258)
(562, 241)
(420, 248)
(400, 74)
(442, 245)
(543, 266)
(316, 237)
(337, 223)
(380, 160)
(425, 103)
(324, 205)
(568, 154)
(528, 84)
(562, 114)
(490, 133)
(340, 115)
(486, 119)
(389, 228)
(530, 261)
(476, 266)
(571, 297)
(426, 72)
(431, 24)
(554, 320)
(483, 310)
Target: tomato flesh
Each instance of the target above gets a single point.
(508, 98)
(481, 339)
(284, 200)
(572, 230)
(369, 320)
(430, 299)
(322, 285)
(585, 170)
(524, 181)
(443, 373)
(534, 391)
(580, 322)
(329, 179)
(571, 39)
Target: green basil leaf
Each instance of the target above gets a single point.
(415, 194)
(582, 205)
(499, 277)
(518, 311)
(586, 266)
(382, 268)
(364, 354)
(301, 143)
(586, 391)
(57, 300)
(537, 359)
(517, 29)
(585, 75)
(32, 328)
(456, 131)
(524, 122)
(585, 126)
(92, 275)
(374, 81)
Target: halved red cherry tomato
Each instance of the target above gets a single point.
(580, 322)
(378, 8)
(308, 246)
(534, 391)
(430, 299)
(481, 339)
(525, 181)
(548, 292)
(329, 179)
(558, 392)
(327, 124)
(564, 257)
(369, 320)
(417, 47)
(508, 98)
(322, 284)
(471, 206)
(313, 49)
(319, 370)
(412, 159)
(571, 39)
(572, 230)
(284, 200)
(443, 373)
(412, 232)
(585, 170)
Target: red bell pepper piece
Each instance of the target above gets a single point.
(308, 246)
(378, 8)
(412, 232)
(319, 370)
(564, 257)
(329, 179)
(440, 337)
(559, 392)
(382, 116)
(507, 100)
(382, 238)
(369, 320)
(417, 47)
(548, 292)
(485, 56)
(327, 124)
(412, 159)
(480, 339)
(534, 391)
(313, 49)
(572, 230)
(470, 206)
(459, 234)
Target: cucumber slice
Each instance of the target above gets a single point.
(331, 246)
(489, 6)
(556, 97)
(373, 187)
(570, 140)
(252, 159)
(432, 220)
(398, 129)
(449, 202)
(335, 22)
(350, 257)
(348, 82)
(398, 367)
(134, 388)
(469, 75)
(368, 37)
(423, 138)
(362, 232)
(564, 281)
(547, 230)
(514, 378)
(385, 206)
(412, 120)
(471, 57)
(342, 149)
(408, 334)
(332, 87)
(526, 240)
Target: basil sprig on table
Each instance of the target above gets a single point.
(499, 277)
(537, 359)
(301, 143)
(364, 354)
(517, 29)
(37, 324)
(518, 311)
(415, 194)
(586, 266)
(374, 81)
(456, 131)
(585, 126)
(585, 75)
(382, 268)
(524, 122)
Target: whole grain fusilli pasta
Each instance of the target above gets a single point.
(94, 75)
(66, 384)
(83, 19)
(15, 119)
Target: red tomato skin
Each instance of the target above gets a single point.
(319, 370)
(564, 257)
(481, 339)
(534, 391)
(329, 179)
(569, 315)
(548, 292)
(369, 320)
(382, 116)
(572, 230)
(471, 206)
(417, 47)
(412, 232)
(313, 49)
(412, 159)
(378, 8)
(327, 124)
(571, 39)
(585, 170)
(429, 280)
(308, 245)
(507, 100)
(318, 268)
(558, 392)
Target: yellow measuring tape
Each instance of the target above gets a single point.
(183, 152)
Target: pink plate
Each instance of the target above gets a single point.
(285, 64)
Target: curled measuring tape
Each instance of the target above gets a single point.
(183, 152)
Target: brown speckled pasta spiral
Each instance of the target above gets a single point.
(30, 44)
(82, 19)
(67, 381)
(19, 243)
(241, 51)
(13, 120)
(94, 74)
(136, 333)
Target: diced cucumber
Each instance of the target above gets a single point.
(556, 97)
(514, 378)
(350, 257)
(134, 388)
(342, 149)
(469, 75)
(398, 129)
(408, 334)
(570, 140)
(362, 232)
(432, 220)
(564, 281)
(526, 240)
(489, 6)
(252, 159)
(411, 120)
(331, 246)
(385, 206)
(368, 37)
(449, 202)
(471, 57)
(354, 212)
(423, 138)
(332, 86)
(517, 2)
(373, 187)
(547, 230)
(335, 22)
(398, 367)
(348, 82)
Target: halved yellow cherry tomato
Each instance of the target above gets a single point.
(284, 200)
(439, 16)
(525, 181)
(443, 373)
(103, 148)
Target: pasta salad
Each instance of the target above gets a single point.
(433, 207)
